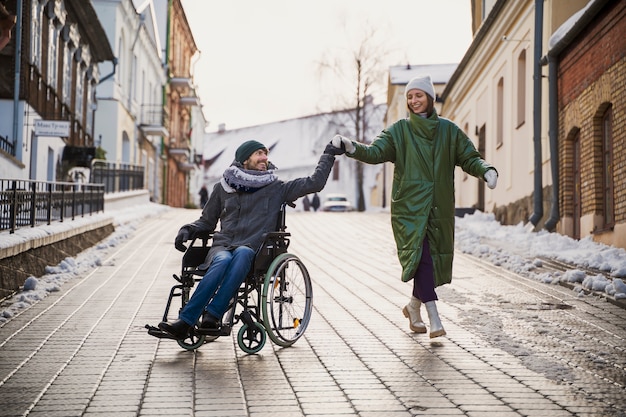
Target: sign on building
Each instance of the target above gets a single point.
(52, 128)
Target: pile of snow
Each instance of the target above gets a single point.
(518, 249)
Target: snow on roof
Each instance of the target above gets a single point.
(293, 143)
(439, 73)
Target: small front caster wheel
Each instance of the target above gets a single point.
(251, 339)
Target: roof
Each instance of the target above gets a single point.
(566, 33)
(439, 73)
(90, 28)
(293, 143)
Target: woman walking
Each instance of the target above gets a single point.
(425, 149)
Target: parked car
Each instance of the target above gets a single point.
(336, 202)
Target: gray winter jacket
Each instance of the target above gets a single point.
(245, 217)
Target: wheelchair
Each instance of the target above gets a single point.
(275, 300)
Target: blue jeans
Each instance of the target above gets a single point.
(219, 285)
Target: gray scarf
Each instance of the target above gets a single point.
(236, 178)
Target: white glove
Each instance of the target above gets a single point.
(339, 140)
(491, 177)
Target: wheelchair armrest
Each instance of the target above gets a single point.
(203, 235)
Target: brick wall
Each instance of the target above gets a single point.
(592, 79)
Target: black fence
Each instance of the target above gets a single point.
(33, 203)
(117, 177)
(7, 146)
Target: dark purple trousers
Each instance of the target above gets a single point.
(424, 278)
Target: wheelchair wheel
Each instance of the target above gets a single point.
(193, 341)
(251, 339)
(287, 299)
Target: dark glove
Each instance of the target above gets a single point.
(183, 235)
(332, 150)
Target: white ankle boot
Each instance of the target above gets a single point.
(436, 328)
(412, 312)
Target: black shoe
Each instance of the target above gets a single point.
(209, 321)
(179, 329)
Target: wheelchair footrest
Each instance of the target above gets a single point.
(156, 332)
(224, 330)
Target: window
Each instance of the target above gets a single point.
(121, 63)
(80, 80)
(35, 30)
(500, 112)
(67, 73)
(607, 167)
(521, 88)
(91, 94)
(53, 61)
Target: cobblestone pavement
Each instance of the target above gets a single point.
(514, 347)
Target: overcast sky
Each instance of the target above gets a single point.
(258, 61)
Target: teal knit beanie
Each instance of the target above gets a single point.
(246, 149)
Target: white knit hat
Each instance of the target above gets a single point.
(421, 82)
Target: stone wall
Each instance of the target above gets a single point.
(14, 269)
(520, 210)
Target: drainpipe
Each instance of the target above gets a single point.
(553, 134)
(538, 188)
(16, 80)
(112, 73)
(165, 160)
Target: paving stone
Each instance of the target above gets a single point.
(86, 352)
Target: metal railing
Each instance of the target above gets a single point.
(7, 146)
(116, 177)
(33, 203)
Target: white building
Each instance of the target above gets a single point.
(295, 146)
(129, 123)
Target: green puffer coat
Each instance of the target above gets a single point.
(425, 153)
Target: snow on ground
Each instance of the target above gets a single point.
(512, 247)
(37, 288)
(522, 251)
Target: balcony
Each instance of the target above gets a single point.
(189, 101)
(154, 130)
(186, 166)
(180, 82)
(179, 152)
(151, 121)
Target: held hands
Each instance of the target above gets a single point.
(332, 150)
(344, 143)
(183, 235)
(491, 177)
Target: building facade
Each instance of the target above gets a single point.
(587, 67)
(180, 97)
(48, 77)
(130, 117)
(525, 117)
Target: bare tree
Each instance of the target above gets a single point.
(363, 68)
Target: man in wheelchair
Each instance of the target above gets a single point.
(246, 203)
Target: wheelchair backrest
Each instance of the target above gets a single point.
(274, 243)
